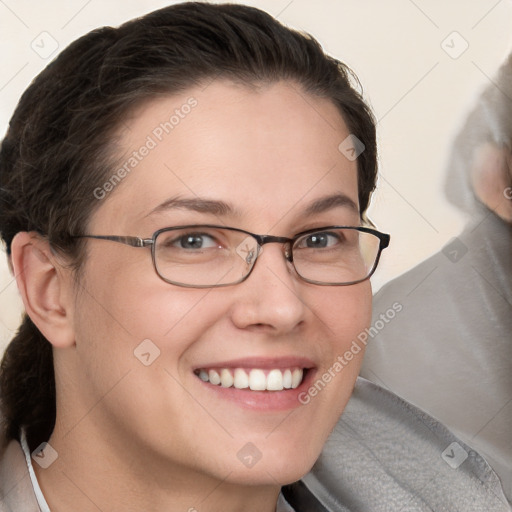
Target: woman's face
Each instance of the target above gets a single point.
(255, 159)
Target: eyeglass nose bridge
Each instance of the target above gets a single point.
(270, 239)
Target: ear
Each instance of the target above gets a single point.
(491, 178)
(45, 287)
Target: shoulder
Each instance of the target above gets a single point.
(385, 452)
(16, 492)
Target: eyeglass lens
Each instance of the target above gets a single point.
(211, 256)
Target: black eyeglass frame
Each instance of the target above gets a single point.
(135, 241)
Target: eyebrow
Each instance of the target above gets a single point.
(330, 202)
(213, 207)
(221, 208)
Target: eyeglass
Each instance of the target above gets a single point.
(207, 256)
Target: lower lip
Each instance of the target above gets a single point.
(263, 400)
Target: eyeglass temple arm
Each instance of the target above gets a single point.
(133, 241)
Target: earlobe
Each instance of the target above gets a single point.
(44, 288)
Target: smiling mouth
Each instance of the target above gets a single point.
(254, 379)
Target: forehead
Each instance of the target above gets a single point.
(267, 151)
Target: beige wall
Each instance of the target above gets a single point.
(418, 91)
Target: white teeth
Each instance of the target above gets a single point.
(255, 379)
(214, 377)
(296, 377)
(287, 379)
(226, 379)
(241, 380)
(275, 380)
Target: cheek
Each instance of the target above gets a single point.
(341, 318)
(129, 311)
(346, 311)
(132, 338)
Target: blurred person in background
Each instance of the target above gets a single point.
(449, 351)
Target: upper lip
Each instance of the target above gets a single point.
(262, 363)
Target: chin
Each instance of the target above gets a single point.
(276, 465)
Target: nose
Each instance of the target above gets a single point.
(271, 297)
